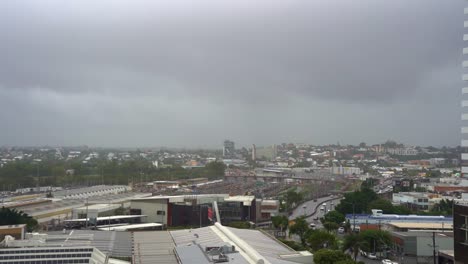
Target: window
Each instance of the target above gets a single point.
(161, 212)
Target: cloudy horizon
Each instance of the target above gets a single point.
(192, 73)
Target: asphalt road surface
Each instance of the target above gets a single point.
(308, 208)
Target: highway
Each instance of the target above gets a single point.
(309, 208)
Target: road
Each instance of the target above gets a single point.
(308, 208)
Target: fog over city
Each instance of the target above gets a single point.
(193, 73)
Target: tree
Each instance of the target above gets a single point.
(14, 217)
(292, 198)
(300, 228)
(385, 205)
(330, 226)
(327, 256)
(318, 239)
(354, 242)
(280, 221)
(375, 240)
(334, 217)
(240, 224)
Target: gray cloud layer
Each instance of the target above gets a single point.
(191, 73)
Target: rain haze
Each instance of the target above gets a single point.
(193, 73)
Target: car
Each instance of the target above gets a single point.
(312, 226)
(387, 261)
(371, 256)
(341, 230)
(316, 218)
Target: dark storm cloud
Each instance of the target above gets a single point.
(119, 65)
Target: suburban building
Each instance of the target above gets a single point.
(412, 200)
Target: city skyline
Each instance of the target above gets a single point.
(185, 75)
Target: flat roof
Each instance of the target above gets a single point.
(129, 227)
(422, 234)
(418, 225)
(99, 206)
(113, 217)
(12, 226)
(240, 198)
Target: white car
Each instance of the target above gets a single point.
(387, 261)
(371, 256)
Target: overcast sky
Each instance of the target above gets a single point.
(193, 73)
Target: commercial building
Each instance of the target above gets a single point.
(418, 247)
(94, 210)
(460, 230)
(195, 210)
(412, 221)
(94, 247)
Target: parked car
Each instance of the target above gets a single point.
(372, 256)
(387, 261)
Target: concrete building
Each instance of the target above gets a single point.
(345, 170)
(228, 149)
(464, 116)
(16, 231)
(412, 200)
(417, 247)
(94, 210)
(460, 226)
(254, 152)
(194, 210)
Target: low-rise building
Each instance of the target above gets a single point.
(413, 200)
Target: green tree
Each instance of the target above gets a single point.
(334, 217)
(385, 205)
(292, 199)
(375, 240)
(327, 256)
(300, 228)
(14, 217)
(354, 242)
(318, 239)
(280, 221)
(240, 224)
(331, 226)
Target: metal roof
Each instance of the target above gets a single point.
(153, 247)
(265, 245)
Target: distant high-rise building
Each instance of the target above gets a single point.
(464, 116)
(254, 152)
(228, 149)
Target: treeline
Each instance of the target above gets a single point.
(21, 174)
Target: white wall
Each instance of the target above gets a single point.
(150, 208)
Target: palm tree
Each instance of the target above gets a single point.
(354, 242)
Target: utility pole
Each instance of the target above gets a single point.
(86, 212)
(434, 247)
(354, 220)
